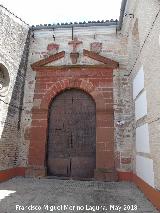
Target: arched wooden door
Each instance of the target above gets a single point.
(72, 135)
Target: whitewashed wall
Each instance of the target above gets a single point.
(141, 106)
(144, 169)
(142, 139)
(138, 83)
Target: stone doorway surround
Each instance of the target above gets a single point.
(97, 81)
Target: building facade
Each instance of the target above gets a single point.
(82, 100)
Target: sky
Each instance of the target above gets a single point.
(60, 11)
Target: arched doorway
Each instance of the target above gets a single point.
(72, 135)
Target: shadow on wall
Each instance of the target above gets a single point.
(11, 137)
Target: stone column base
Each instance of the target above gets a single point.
(35, 171)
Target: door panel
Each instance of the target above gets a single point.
(72, 135)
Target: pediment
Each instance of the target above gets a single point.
(87, 58)
(45, 61)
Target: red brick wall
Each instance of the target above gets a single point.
(96, 81)
(10, 173)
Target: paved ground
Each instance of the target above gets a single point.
(50, 195)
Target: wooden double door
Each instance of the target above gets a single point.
(72, 135)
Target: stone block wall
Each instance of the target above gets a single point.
(136, 47)
(51, 82)
(114, 47)
(13, 58)
(123, 120)
(144, 52)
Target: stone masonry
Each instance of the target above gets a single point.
(38, 62)
(13, 56)
(142, 31)
(113, 47)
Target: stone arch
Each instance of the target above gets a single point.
(62, 85)
(105, 167)
(4, 80)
